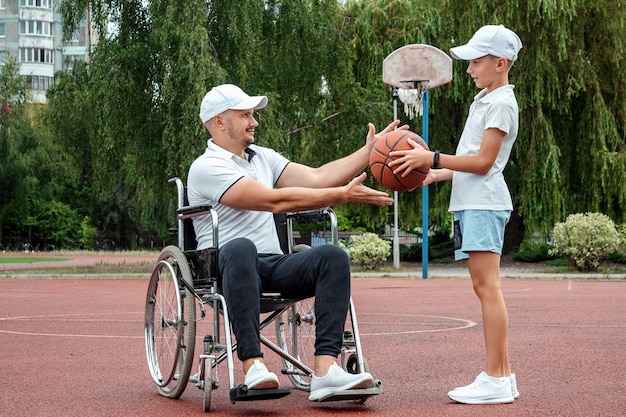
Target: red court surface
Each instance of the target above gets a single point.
(71, 259)
(74, 347)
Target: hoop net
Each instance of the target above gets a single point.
(412, 98)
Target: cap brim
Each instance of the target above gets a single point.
(254, 102)
(466, 53)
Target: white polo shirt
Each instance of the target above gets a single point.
(497, 109)
(212, 174)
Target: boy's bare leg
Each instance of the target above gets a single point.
(484, 268)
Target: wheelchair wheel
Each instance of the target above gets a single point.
(295, 330)
(208, 386)
(170, 323)
(351, 365)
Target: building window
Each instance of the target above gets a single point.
(2, 33)
(36, 55)
(70, 60)
(35, 27)
(36, 3)
(3, 4)
(39, 82)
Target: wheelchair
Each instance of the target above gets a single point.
(184, 289)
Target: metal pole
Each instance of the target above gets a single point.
(425, 192)
(396, 242)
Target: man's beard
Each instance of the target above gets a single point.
(247, 140)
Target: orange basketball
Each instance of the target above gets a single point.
(379, 158)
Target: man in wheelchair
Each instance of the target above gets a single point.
(246, 184)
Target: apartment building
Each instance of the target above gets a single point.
(31, 31)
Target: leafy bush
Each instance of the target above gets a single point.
(88, 238)
(586, 239)
(619, 256)
(412, 253)
(54, 225)
(438, 251)
(441, 251)
(539, 252)
(369, 251)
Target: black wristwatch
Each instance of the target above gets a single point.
(436, 160)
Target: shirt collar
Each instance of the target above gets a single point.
(250, 153)
(483, 97)
(213, 147)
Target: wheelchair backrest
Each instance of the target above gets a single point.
(190, 242)
(280, 219)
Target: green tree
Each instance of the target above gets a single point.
(570, 154)
(142, 92)
(320, 64)
(28, 162)
(377, 28)
(55, 225)
(69, 118)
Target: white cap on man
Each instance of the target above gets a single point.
(494, 40)
(228, 97)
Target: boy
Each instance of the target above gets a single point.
(480, 199)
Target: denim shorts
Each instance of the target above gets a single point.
(480, 231)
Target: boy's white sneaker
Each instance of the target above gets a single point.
(514, 391)
(258, 377)
(337, 380)
(484, 390)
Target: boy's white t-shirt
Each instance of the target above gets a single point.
(497, 109)
(212, 174)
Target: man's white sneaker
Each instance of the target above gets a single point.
(337, 380)
(484, 390)
(258, 377)
(514, 391)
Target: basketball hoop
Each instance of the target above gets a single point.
(412, 98)
(411, 71)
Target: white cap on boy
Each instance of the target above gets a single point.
(228, 97)
(494, 40)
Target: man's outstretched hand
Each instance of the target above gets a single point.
(357, 192)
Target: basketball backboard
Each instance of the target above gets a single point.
(410, 65)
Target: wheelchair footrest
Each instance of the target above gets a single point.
(242, 393)
(355, 394)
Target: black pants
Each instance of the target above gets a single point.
(322, 271)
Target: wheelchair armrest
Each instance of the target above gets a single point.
(192, 211)
(309, 216)
(316, 216)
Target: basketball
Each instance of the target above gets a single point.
(379, 158)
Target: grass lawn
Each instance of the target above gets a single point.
(28, 260)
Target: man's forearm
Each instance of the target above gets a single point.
(342, 170)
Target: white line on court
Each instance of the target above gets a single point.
(446, 323)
